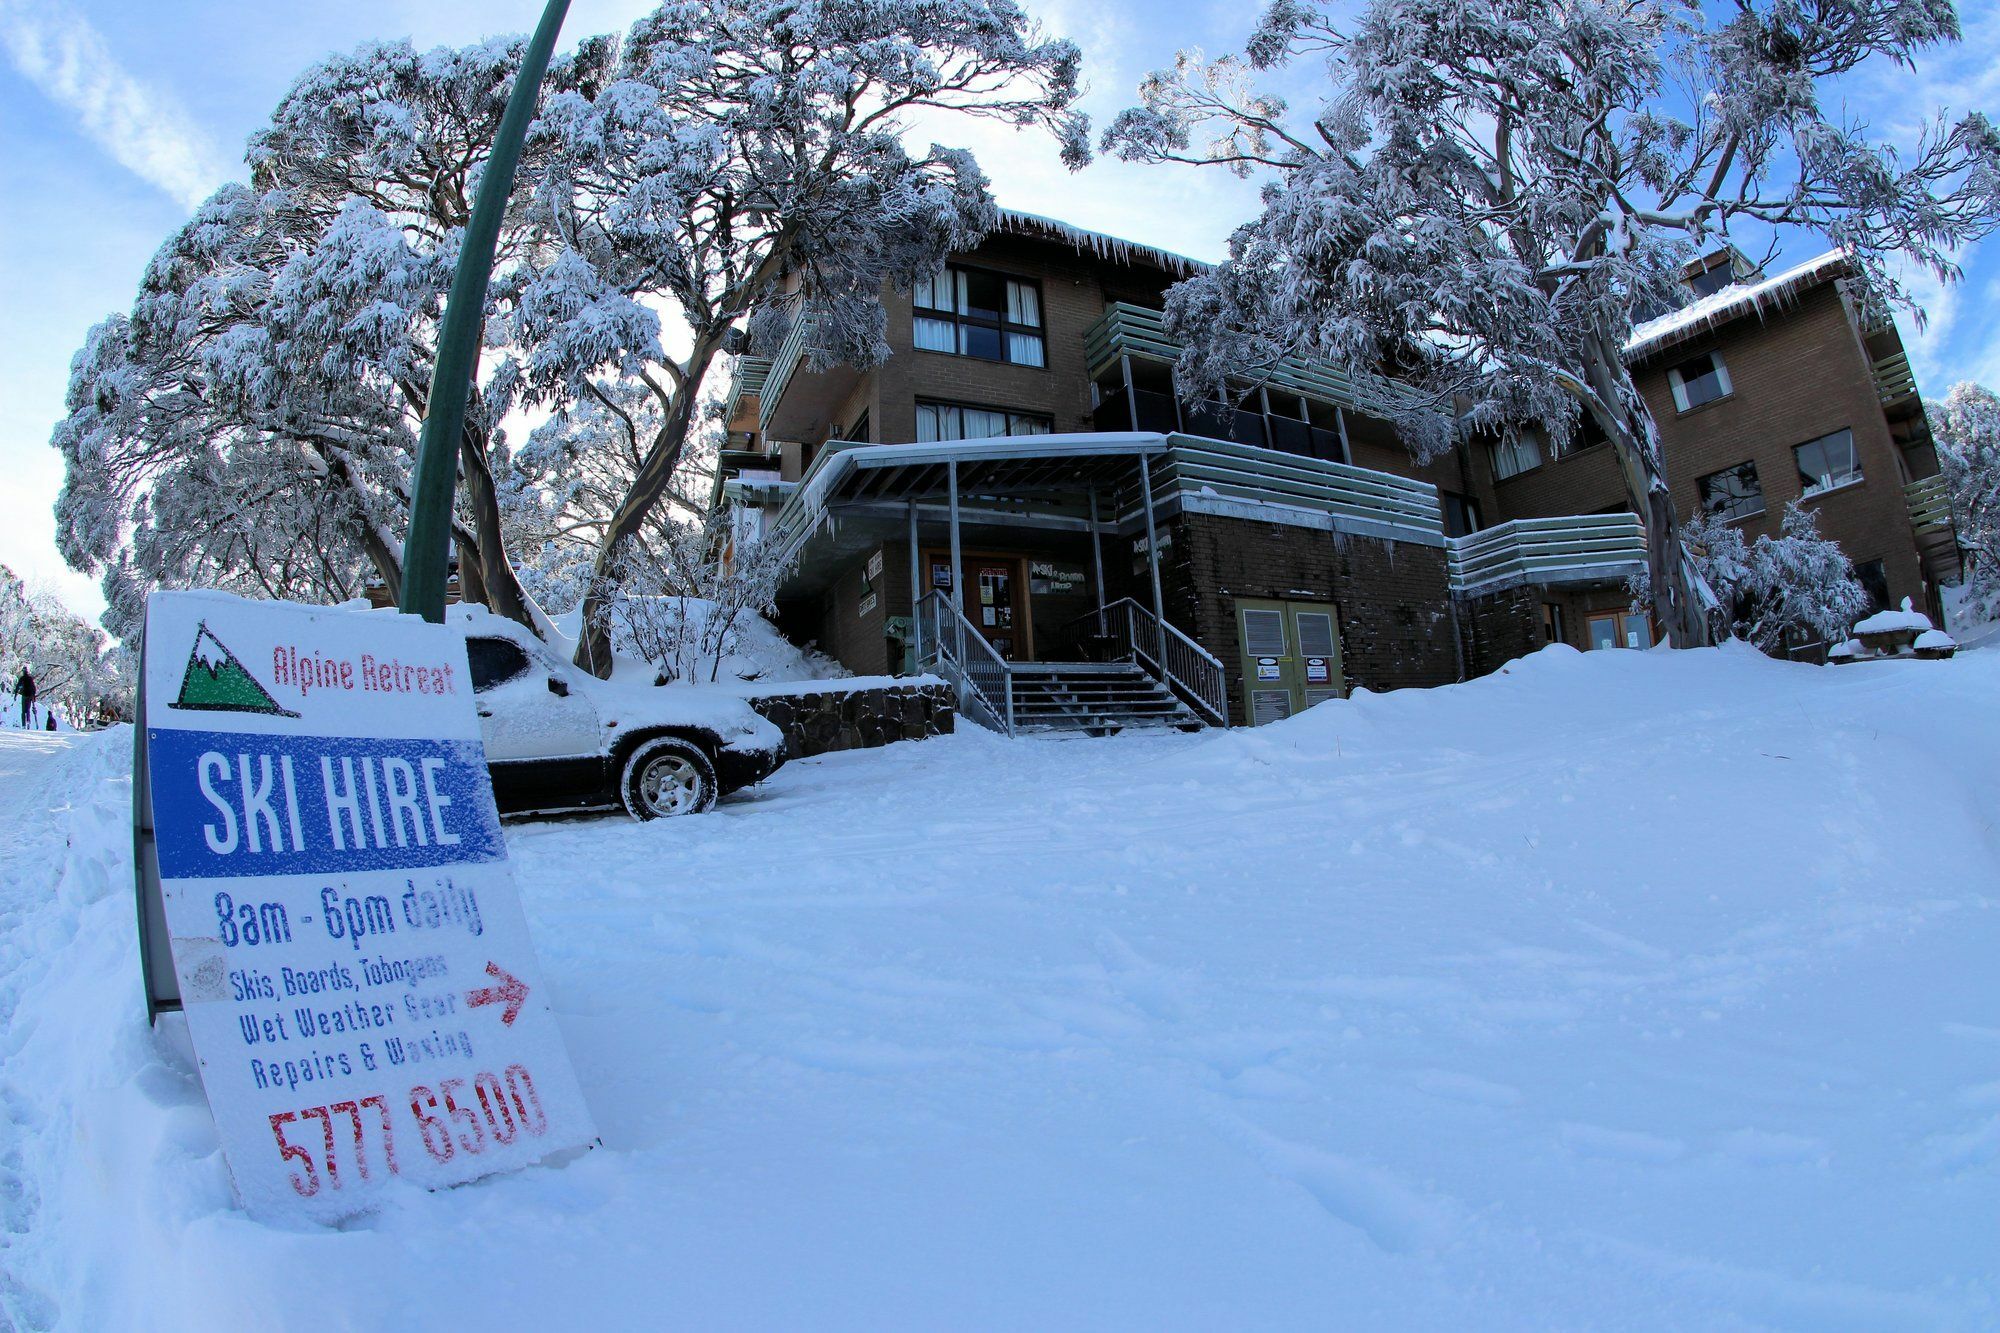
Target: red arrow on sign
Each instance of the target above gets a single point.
(512, 992)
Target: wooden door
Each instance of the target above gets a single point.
(994, 597)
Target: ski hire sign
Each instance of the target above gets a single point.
(320, 853)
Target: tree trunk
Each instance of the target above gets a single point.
(500, 587)
(656, 473)
(388, 563)
(1677, 602)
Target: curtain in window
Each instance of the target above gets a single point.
(1024, 306)
(936, 335)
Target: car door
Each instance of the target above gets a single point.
(543, 747)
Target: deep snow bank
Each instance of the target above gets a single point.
(1638, 990)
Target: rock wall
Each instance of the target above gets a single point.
(822, 718)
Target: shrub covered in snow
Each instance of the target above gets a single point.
(1967, 427)
(1798, 581)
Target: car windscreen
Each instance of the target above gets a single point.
(493, 661)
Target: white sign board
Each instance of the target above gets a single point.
(353, 961)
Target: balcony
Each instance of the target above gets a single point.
(1130, 330)
(746, 381)
(1894, 380)
(1580, 548)
(1202, 472)
(1159, 411)
(1930, 519)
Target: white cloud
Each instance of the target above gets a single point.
(63, 55)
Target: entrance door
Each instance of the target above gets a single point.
(1291, 656)
(994, 597)
(1620, 629)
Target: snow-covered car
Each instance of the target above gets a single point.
(560, 739)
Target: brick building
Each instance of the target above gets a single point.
(1018, 498)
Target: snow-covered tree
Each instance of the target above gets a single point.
(738, 158)
(1967, 427)
(1797, 581)
(681, 602)
(78, 675)
(251, 423)
(1490, 189)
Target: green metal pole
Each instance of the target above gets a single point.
(427, 546)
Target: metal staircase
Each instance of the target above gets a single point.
(1157, 677)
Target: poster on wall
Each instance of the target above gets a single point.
(1267, 668)
(1318, 671)
(348, 946)
(940, 574)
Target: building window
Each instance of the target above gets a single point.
(1461, 514)
(970, 312)
(1733, 493)
(956, 421)
(1552, 623)
(1711, 280)
(1698, 380)
(1512, 457)
(1587, 434)
(1873, 576)
(1827, 462)
(861, 432)
(1620, 629)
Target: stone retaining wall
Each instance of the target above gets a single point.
(822, 718)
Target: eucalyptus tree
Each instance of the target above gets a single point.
(734, 167)
(250, 424)
(1489, 191)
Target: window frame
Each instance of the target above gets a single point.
(1807, 490)
(474, 641)
(940, 404)
(1728, 514)
(1005, 328)
(1678, 383)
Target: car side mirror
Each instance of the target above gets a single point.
(559, 687)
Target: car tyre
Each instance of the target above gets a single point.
(668, 776)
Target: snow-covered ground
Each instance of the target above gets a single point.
(1645, 990)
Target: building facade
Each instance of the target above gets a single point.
(1017, 496)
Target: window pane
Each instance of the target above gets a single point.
(981, 424)
(933, 292)
(1638, 632)
(1024, 349)
(982, 295)
(980, 341)
(493, 661)
(1024, 305)
(935, 335)
(1604, 631)
(1701, 379)
(1827, 462)
(1873, 576)
(1017, 424)
(1513, 457)
(1733, 492)
(927, 424)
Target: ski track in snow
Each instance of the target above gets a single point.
(1635, 990)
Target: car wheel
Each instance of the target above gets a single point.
(669, 776)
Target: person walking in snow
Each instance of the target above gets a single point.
(24, 687)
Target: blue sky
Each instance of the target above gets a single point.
(116, 116)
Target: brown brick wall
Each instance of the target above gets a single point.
(1396, 627)
(1795, 374)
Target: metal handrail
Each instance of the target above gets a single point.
(1169, 655)
(981, 675)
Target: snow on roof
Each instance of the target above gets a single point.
(1935, 638)
(1731, 302)
(1113, 248)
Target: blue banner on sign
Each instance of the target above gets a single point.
(230, 803)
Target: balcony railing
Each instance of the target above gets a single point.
(1894, 380)
(1131, 330)
(1572, 549)
(747, 379)
(1930, 504)
(791, 354)
(1221, 469)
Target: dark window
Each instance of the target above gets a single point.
(1827, 462)
(1698, 380)
(1587, 434)
(1873, 577)
(957, 421)
(1711, 280)
(1461, 514)
(861, 432)
(1552, 623)
(971, 312)
(1733, 492)
(493, 662)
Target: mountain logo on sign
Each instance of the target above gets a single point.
(217, 683)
